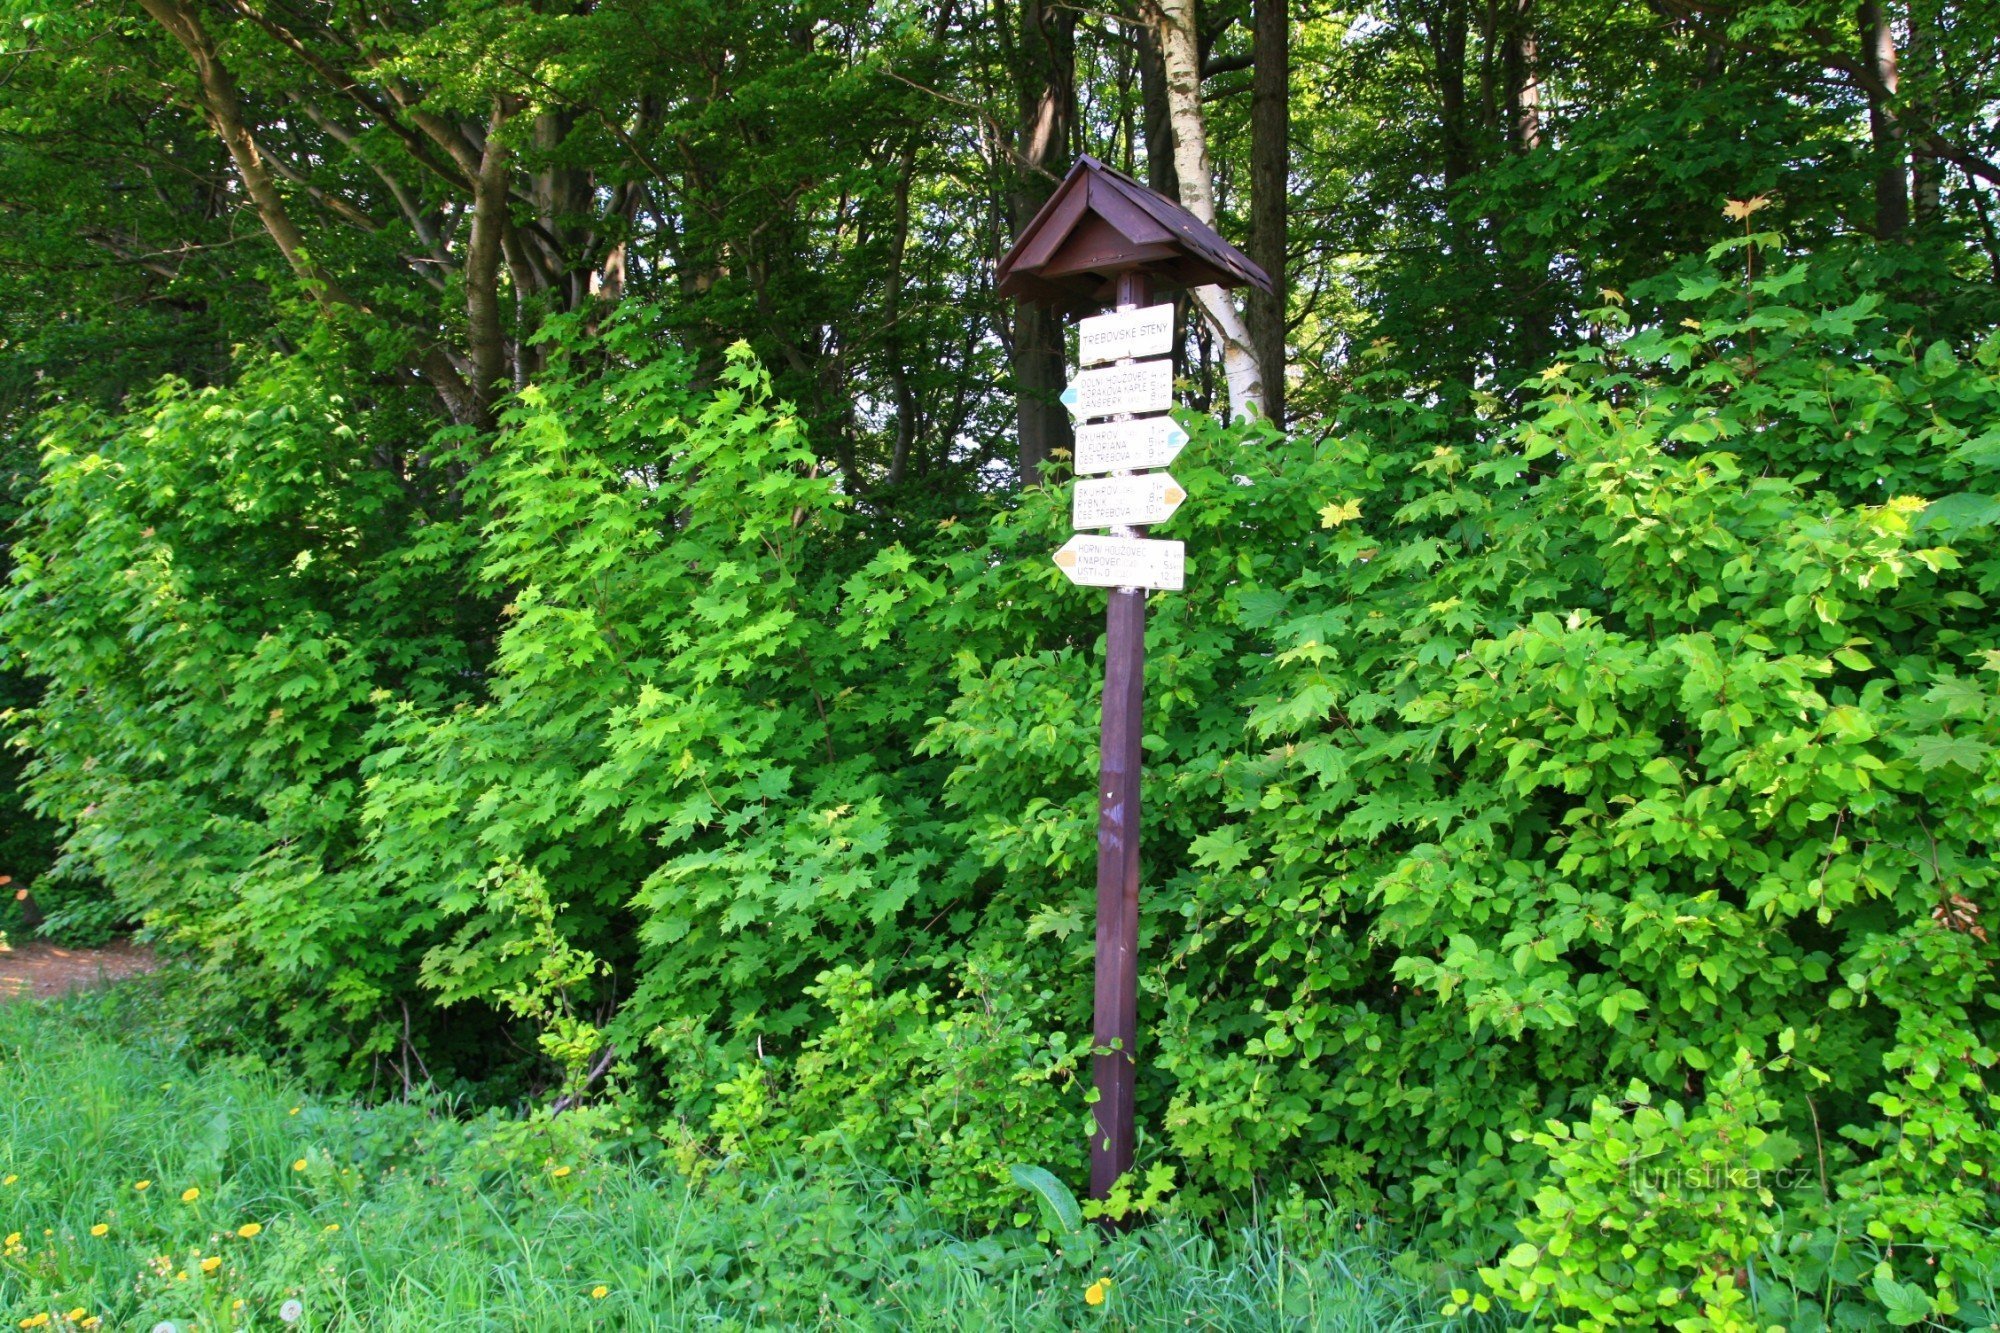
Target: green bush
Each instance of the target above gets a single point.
(220, 591)
(1504, 768)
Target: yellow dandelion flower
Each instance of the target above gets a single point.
(100, 1229)
(333, 1226)
(560, 1172)
(236, 1304)
(190, 1194)
(77, 1314)
(9, 1180)
(293, 1111)
(13, 1238)
(299, 1165)
(250, 1230)
(1095, 1293)
(142, 1185)
(598, 1293)
(181, 1276)
(91, 1322)
(210, 1264)
(35, 1320)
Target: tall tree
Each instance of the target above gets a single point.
(1043, 63)
(1270, 188)
(1180, 48)
(1878, 51)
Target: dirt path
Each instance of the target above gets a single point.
(36, 968)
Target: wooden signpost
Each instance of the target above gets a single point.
(1103, 238)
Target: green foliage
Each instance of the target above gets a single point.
(953, 1093)
(1596, 689)
(679, 737)
(527, 967)
(1501, 767)
(1651, 1214)
(220, 588)
(403, 1217)
(1657, 726)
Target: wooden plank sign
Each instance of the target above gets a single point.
(1143, 386)
(1123, 562)
(1128, 446)
(1147, 331)
(1110, 502)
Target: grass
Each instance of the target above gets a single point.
(400, 1216)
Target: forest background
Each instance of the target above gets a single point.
(527, 566)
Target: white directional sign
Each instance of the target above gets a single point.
(1147, 331)
(1128, 446)
(1123, 562)
(1143, 386)
(1109, 502)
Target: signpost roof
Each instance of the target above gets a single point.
(1099, 223)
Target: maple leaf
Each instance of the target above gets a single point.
(1612, 294)
(1934, 752)
(1739, 210)
(1339, 512)
(1555, 372)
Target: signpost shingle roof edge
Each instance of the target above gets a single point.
(1100, 222)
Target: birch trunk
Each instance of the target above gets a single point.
(1892, 199)
(1181, 51)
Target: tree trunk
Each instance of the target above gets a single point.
(487, 343)
(1160, 174)
(1181, 50)
(224, 110)
(1878, 49)
(1524, 79)
(1045, 81)
(895, 344)
(1270, 169)
(1445, 28)
(1522, 70)
(1926, 172)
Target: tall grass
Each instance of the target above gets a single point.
(147, 1192)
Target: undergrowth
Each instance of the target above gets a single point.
(143, 1192)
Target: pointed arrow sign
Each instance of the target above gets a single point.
(1123, 562)
(1143, 386)
(1128, 446)
(1109, 502)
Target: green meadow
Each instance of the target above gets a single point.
(146, 1192)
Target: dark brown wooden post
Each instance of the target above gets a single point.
(1103, 235)
(1115, 1026)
